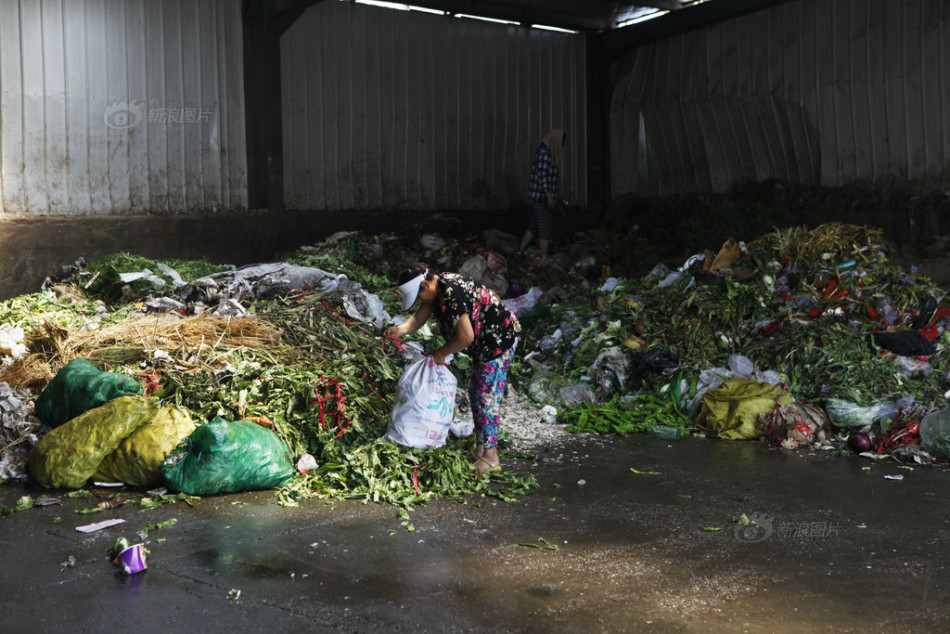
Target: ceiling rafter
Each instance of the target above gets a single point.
(579, 15)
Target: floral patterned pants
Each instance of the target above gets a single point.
(486, 389)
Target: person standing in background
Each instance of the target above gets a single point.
(543, 190)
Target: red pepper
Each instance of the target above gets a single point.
(769, 328)
(832, 285)
(415, 480)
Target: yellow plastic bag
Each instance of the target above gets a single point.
(730, 410)
(70, 454)
(137, 458)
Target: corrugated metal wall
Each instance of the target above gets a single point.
(113, 107)
(386, 109)
(828, 92)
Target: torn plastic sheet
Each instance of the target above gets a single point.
(228, 287)
(146, 274)
(98, 526)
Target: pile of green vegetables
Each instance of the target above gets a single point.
(328, 388)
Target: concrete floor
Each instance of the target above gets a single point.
(837, 547)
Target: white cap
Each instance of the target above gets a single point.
(410, 290)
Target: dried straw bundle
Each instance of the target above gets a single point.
(54, 346)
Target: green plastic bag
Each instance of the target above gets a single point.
(935, 433)
(69, 455)
(228, 457)
(137, 459)
(730, 410)
(79, 387)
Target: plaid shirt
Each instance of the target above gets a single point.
(543, 175)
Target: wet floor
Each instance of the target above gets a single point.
(634, 534)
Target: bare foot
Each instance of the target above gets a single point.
(484, 466)
(475, 453)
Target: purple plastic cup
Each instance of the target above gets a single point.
(132, 559)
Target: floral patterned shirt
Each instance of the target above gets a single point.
(496, 328)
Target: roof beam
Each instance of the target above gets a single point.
(619, 41)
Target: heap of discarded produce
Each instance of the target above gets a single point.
(805, 338)
(801, 338)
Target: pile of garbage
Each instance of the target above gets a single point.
(801, 338)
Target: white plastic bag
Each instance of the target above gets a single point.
(424, 407)
(523, 303)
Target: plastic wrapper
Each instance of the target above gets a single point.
(521, 305)
(847, 414)
(935, 433)
(545, 387)
(574, 395)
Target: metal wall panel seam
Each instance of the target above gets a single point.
(914, 93)
(859, 73)
(625, 114)
(77, 122)
(429, 173)
(827, 131)
(722, 112)
(191, 84)
(331, 97)
(930, 104)
(55, 107)
(751, 133)
(33, 107)
(785, 115)
(662, 150)
(713, 142)
(211, 181)
(745, 141)
(844, 86)
(943, 92)
(137, 154)
(375, 185)
(218, 133)
(13, 159)
(95, 79)
(703, 155)
(897, 165)
(809, 89)
(787, 160)
(158, 159)
(790, 15)
(290, 123)
(326, 97)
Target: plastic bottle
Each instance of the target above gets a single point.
(666, 432)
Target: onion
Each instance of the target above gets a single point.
(515, 289)
(859, 442)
